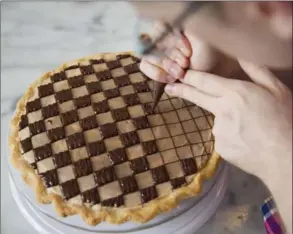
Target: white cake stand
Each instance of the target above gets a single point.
(187, 218)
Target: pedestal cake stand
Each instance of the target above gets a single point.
(190, 215)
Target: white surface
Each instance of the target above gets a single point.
(187, 218)
(37, 37)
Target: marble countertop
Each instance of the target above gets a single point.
(37, 37)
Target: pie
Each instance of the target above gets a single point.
(85, 138)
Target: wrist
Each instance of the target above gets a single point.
(278, 169)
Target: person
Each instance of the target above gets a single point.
(253, 113)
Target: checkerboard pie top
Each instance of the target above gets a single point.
(90, 135)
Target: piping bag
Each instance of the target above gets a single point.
(149, 48)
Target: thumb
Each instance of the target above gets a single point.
(194, 95)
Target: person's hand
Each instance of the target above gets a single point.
(182, 51)
(253, 121)
(253, 125)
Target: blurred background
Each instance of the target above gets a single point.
(37, 37)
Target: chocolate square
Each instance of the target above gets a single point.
(149, 147)
(50, 111)
(75, 140)
(50, 178)
(63, 96)
(100, 107)
(56, 134)
(128, 184)
(129, 139)
(91, 196)
(108, 130)
(111, 93)
(70, 189)
(141, 87)
(69, 117)
(23, 122)
(104, 176)
(94, 87)
(122, 81)
(37, 127)
(62, 159)
(113, 64)
(88, 123)
(160, 174)
(97, 61)
(96, 148)
(33, 105)
(104, 75)
(76, 81)
(116, 202)
(139, 165)
(45, 90)
(87, 70)
(148, 194)
(131, 99)
(120, 114)
(58, 77)
(82, 101)
(43, 152)
(26, 145)
(117, 156)
(177, 182)
(141, 122)
(83, 167)
(131, 68)
(189, 167)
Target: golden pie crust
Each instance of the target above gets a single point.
(93, 216)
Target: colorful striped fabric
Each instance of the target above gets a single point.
(272, 219)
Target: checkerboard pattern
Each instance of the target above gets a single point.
(92, 137)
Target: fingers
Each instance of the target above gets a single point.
(155, 72)
(209, 83)
(192, 94)
(158, 28)
(161, 69)
(261, 75)
(172, 66)
(177, 56)
(184, 45)
(173, 40)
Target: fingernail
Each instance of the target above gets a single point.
(170, 89)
